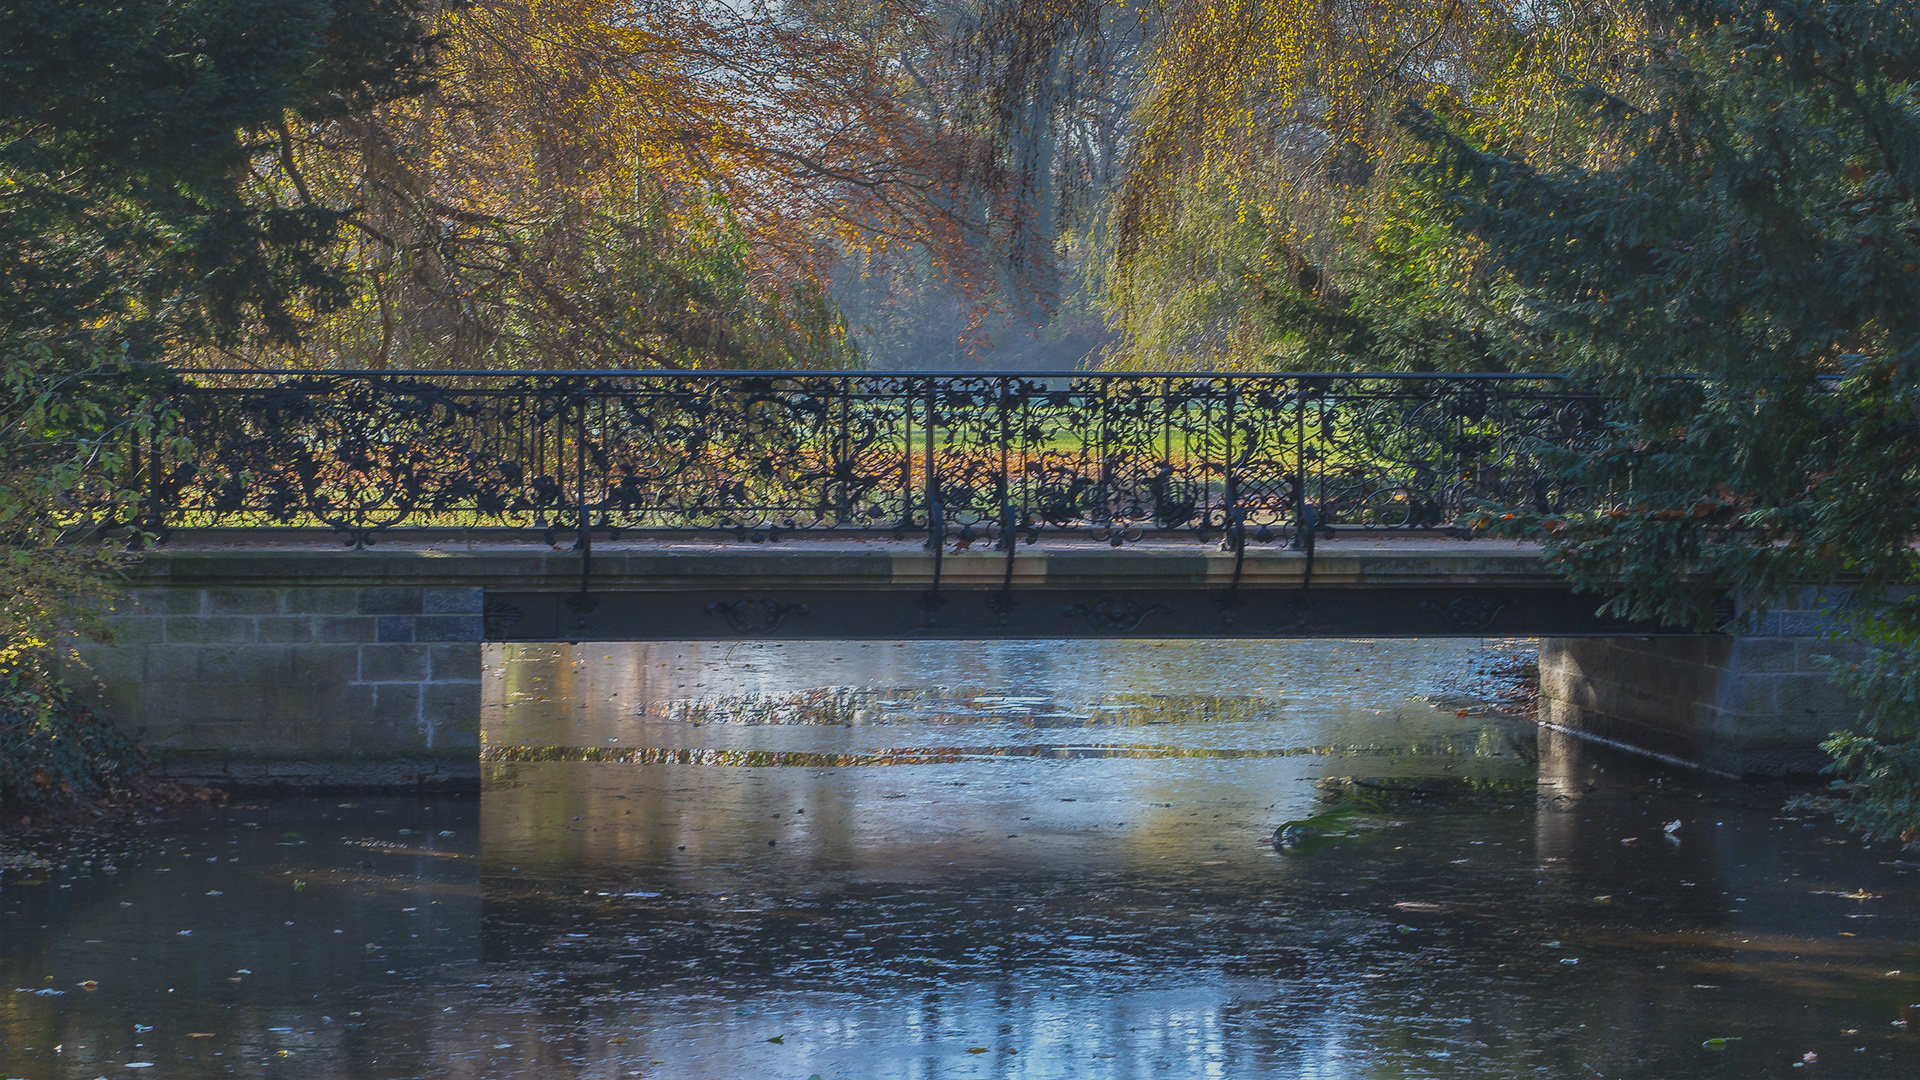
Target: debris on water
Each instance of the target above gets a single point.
(1672, 826)
(1720, 1044)
(778, 1040)
(1303, 835)
(1569, 959)
(90, 985)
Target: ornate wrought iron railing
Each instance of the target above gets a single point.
(760, 455)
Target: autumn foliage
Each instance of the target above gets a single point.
(598, 184)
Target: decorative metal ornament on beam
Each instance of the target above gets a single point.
(1115, 614)
(755, 616)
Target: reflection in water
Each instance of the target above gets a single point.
(1004, 860)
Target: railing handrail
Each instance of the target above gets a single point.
(795, 373)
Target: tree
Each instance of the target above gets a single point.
(1738, 271)
(604, 185)
(1263, 221)
(130, 136)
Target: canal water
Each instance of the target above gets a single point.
(1012, 860)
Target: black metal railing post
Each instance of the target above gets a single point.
(156, 523)
(583, 602)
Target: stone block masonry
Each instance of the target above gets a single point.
(281, 685)
(1755, 705)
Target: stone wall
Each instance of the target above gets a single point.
(297, 686)
(1756, 705)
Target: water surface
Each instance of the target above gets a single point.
(1003, 860)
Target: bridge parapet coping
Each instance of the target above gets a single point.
(840, 562)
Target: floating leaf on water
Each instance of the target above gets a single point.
(1416, 905)
(1720, 1044)
(89, 985)
(976, 1049)
(778, 1040)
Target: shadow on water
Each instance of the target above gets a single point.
(1006, 860)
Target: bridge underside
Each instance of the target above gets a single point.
(986, 615)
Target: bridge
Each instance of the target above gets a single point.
(333, 552)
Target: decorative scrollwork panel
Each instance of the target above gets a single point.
(1113, 456)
